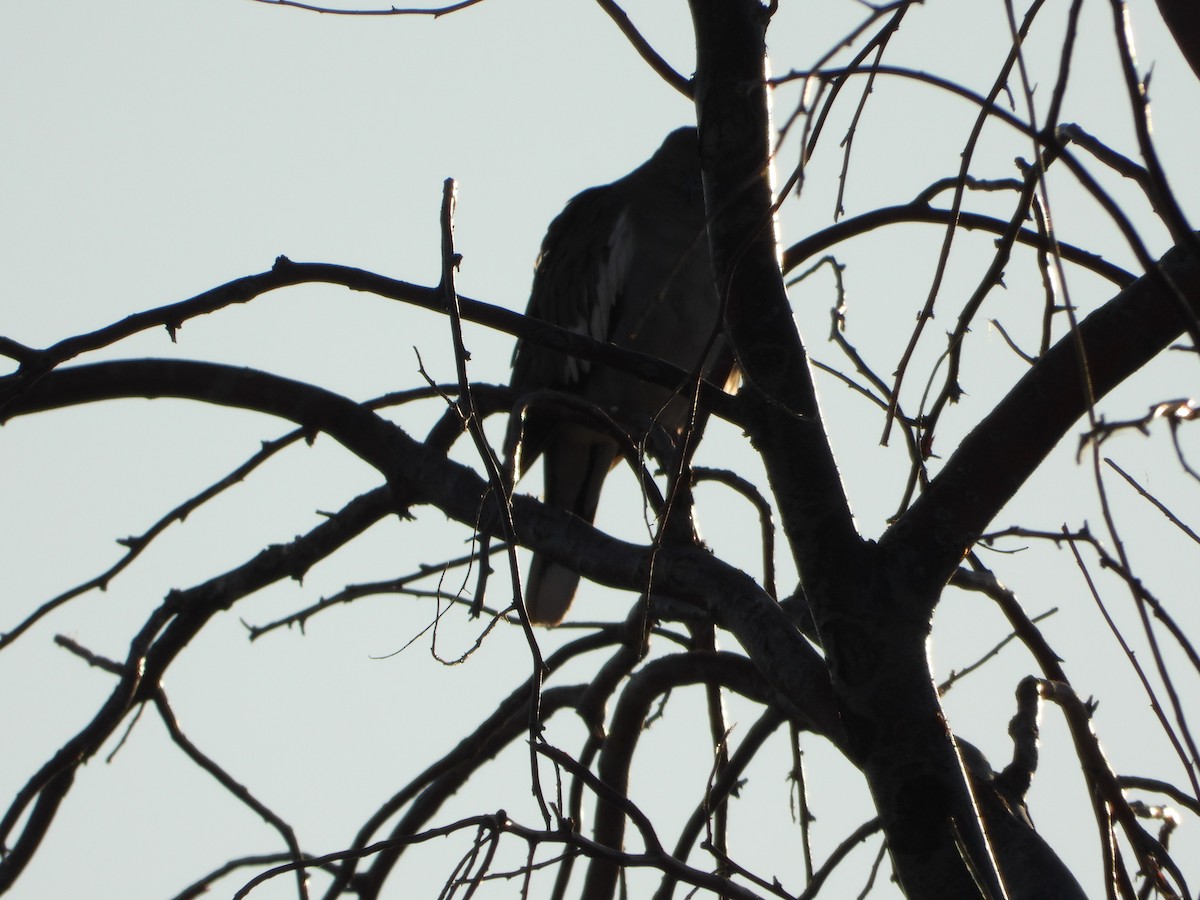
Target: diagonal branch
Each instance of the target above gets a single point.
(1005, 448)
(779, 395)
(35, 362)
(645, 50)
(418, 474)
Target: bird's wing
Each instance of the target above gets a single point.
(576, 285)
(608, 269)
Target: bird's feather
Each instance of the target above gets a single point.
(626, 263)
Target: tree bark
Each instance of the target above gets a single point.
(872, 621)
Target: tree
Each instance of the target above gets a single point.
(836, 659)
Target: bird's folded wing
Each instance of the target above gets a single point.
(576, 285)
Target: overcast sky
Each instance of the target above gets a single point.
(154, 150)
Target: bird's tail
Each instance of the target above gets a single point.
(549, 591)
(576, 463)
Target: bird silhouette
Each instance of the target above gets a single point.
(626, 263)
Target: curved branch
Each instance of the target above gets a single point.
(616, 756)
(432, 12)
(429, 789)
(917, 211)
(493, 735)
(285, 273)
(419, 475)
(1005, 448)
(492, 826)
(645, 51)
(134, 545)
(726, 784)
(875, 645)
(416, 474)
(238, 790)
(165, 634)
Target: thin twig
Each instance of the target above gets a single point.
(434, 12)
(645, 50)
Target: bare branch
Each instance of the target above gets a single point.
(435, 12)
(645, 50)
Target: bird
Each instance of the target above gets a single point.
(625, 263)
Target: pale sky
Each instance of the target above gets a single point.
(154, 150)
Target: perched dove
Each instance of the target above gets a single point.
(626, 263)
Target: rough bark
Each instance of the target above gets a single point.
(873, 605)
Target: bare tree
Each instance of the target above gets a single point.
(841, 657)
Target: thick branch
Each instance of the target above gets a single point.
(654, 679)
(873, 639)
(285, 273)
(419, 475)
(786, 426)
(1004, 449)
